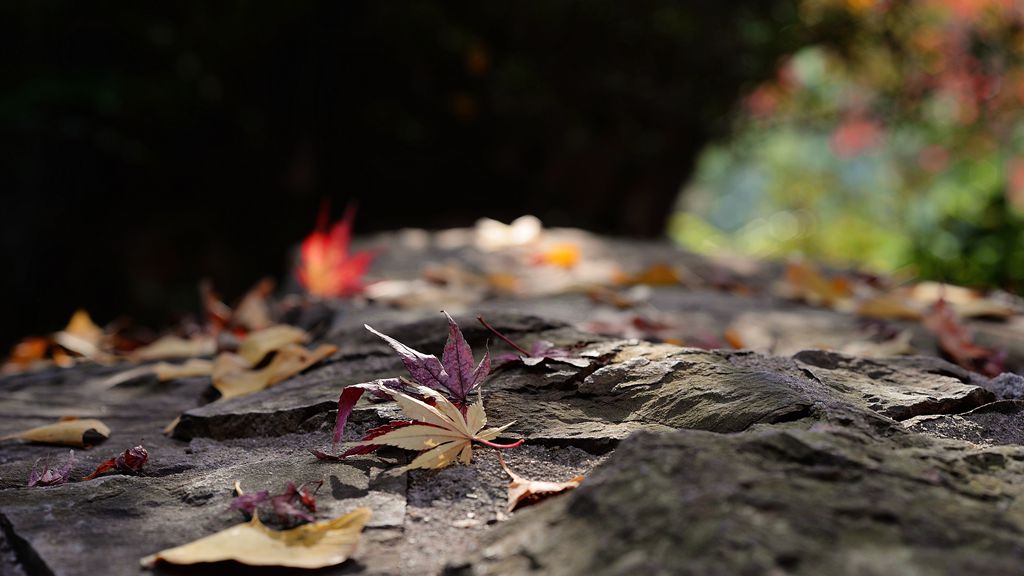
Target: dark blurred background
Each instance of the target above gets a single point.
(144, 149)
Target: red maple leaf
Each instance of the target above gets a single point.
(326, 268)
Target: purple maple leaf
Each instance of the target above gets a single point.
(453, 375)
(248, 502)
(51, 476)
(289, 507)
(286, 506)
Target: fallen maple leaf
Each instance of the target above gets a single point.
(68, 432)
(441, 432)
(523, 492)
(315, 545)
(130, 461)
(453, 374)
(327, 269)
(52, 476)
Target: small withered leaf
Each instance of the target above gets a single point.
(523, 492)
(128, 462)
(287, 507)
(52, 476)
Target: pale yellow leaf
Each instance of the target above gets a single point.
(232, 374)
(416, 437)
(466, 456)
(418, 410)
(983, 308)
(315, 545)
(81, 335)
(442, 431)
(476, 418)
(253, 312)
(191, 368)
(445, 407)
(73, 432)
(262, 342)
(895, 304)
(492, 433)
(438, 457)
(175, 347)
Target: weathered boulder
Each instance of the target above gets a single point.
(821, 500)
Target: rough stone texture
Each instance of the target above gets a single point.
(813, 501)
(781, 459)
(899, 388)
(1007, 386)
(998, 423)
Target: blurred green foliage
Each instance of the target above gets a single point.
(902, 149)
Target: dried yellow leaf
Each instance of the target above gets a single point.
(233, 375)
(804, 281)
(81, 335)
(262, 342)
(891, 305)
(522, 492)
(79, 433)
(190, 368)
(175, 347)
(253, 312)
(315, 545)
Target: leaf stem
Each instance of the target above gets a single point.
(502, 336)
(499, 446)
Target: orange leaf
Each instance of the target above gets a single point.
(327, 269)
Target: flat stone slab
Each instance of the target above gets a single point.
(901, 387)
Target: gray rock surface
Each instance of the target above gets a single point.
(774, 501)
(777, 460)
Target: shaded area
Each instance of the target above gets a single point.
(146, 150)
